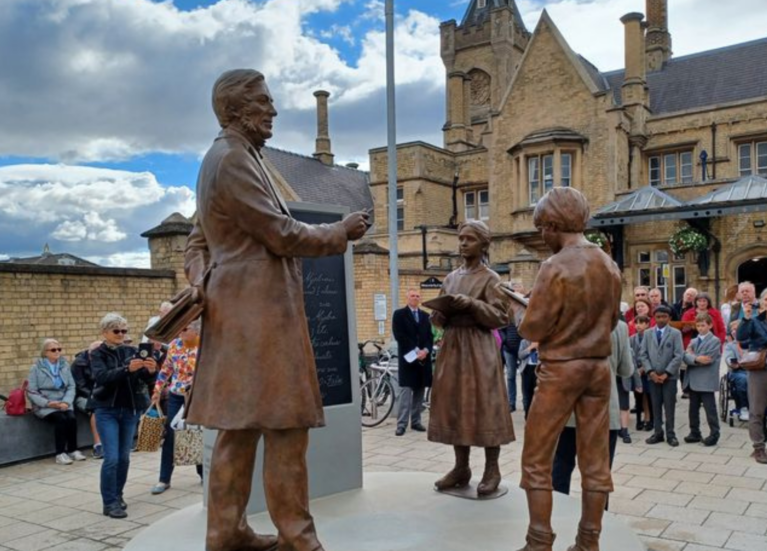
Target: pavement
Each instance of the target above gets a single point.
(689, 498)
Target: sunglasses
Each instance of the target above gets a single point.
(55, 349)
(120, 331)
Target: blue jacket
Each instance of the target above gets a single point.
(753, 332)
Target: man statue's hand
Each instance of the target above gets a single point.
(197, 294)
(356, 224)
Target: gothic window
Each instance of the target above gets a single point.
(481, 4)
(480, 88)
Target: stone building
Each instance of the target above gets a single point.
(663, 144)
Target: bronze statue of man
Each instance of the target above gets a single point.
(573, 309)
(255, 374)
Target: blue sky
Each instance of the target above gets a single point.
(106, 111)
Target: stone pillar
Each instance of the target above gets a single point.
(167, 243)
(636, 101)
(634, 53)
(457, 127)
(323, 151)
(658, 47)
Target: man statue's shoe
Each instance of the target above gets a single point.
(672, 441)
(399, 432)
(692, 438)
(538, 541)
(418, 427)
(655, 439)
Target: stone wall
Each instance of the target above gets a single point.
(67, 303)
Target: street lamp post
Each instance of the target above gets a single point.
(392, 155)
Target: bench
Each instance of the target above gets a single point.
(25, 437)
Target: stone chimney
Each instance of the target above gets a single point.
(635, 97)
(322, 152)
(658, 40)
(167, 243)
(634, 77)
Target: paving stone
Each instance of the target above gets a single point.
(757, 510)
(741, 523)
(743, 494)
(693, 533)
(723, 505)
(656, 544)
(652, 483)
(19, 529)
(740, 541)
(678, 514)
(699, 489)
(687, 476)
(646, 526)
(46, 539)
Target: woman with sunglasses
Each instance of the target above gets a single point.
(119, 396)
(52, 393)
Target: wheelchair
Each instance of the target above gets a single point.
(725, 395)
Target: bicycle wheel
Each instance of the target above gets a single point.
(377, 402)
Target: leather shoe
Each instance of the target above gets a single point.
(692, 438)
(123, 505)
(655, 439)
(711, 440)
(115, 511)
(673, 442)
(399, 432)
(418, 428)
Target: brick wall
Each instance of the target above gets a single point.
(67, 303)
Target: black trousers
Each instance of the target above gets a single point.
(564, 459)
(529, 380)
(64, 429)
(663, 399)
(708, 401)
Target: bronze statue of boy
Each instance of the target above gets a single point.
(572, 310)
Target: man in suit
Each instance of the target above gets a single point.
(255, 372)
(412, 331)
(702, 359)
(661, 357)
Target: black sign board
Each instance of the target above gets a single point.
(431, 283)
(326, 312)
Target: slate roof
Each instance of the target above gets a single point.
(50, 259)
(478, 16)
(175, 224)
(647, 199)
(723, 75)
(315, 182)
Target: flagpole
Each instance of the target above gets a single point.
(392, 155)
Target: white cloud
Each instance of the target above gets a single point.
(106, 80)
(82, 210)
(138, 259)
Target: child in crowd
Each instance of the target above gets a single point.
(737, 376)
(702, 358)
(661, 357)
(528, 363)
(641, 392)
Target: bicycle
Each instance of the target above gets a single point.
(378, 393)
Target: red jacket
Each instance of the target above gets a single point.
(718, 330)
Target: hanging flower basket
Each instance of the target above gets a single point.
(598, 238)
(688, 239)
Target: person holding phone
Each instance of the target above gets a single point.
(119, 396)
(752, 332)
(176, 375)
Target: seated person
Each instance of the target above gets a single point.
(737, 376)
(81, 371)
(52, 393)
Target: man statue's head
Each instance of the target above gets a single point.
(241, 99)
(562, 210)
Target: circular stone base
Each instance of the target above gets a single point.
(402, 512)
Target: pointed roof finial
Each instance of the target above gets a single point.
(46, 250)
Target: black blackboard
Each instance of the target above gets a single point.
(327, 314)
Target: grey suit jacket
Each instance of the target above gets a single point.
(703, 377)
(666, 357)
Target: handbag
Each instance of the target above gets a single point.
(754, 360)
(151, 430)
(187, 447)
(16, 402)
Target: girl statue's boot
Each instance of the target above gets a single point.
(460, 475)
(538, 541)
(492, 475)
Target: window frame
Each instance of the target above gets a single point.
(565, 181)
(534, 183)
(670, 168)
(756, 159)
(480, 209)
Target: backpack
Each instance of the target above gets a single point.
(16, 402)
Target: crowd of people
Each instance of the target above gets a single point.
(675, 349)
(111, 384)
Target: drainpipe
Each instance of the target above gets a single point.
(713, 150)
(454, 218)
(424, 254)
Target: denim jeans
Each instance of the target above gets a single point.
(175, 401)
(512, 363)
(739, 387)
(117, 427)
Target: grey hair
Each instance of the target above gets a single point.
(112, 320)
(45, 344)
(166, 305)
(196, 325)
(763, 294)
